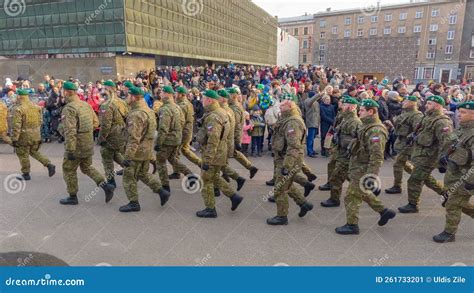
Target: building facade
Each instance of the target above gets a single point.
(302, 28)
(434, 32)
(110, 38)
(287, 49)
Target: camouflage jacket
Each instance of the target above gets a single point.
(26, 123)
(460, 155)
(239, 121)
(3, 118)
(141, 125)
(346, 131)
(230, 138)
(112, 117)
(188, 112)
(405, 124)
(170, 124)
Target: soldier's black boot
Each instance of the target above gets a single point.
(253, 170)
(132, 206)
(330, 203)
(109, 191)
(385, 216)
(217, 192)
(348, 230)
(308, 187)
(119, 173)
(311, 177)
(408, 209)
(271, 199)
(325, 187)
(24, 177)
(51, 170)
(164, 195)
(444, 237)
(270, 182)
(174, 175)
(305, 208)
(207, 213)
(278, 220)
(240, 183)
(236, 200)
(394, 190)
(112, 182)
(167, 188)
(70, 200)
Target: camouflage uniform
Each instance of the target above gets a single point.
(26, 133)
(170, 129)
(112, 116)
(238, 110)
(367, 156)
(4, 123)
(188, 111)
(433, 135)
(212, 138)
(140, 129)
(229, 171)
(458, 173)
(334, 150)
(79, 121)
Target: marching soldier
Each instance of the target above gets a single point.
(79, 122)
(345, 132)
(213, 138)
(288, 146)
(112, 115)
(366, 159)
(429, 139)
(459, 179)
(141, 125)
(26, 135)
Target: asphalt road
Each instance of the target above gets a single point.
(95, 233)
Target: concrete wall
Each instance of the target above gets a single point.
(287, 49)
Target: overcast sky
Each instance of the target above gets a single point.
(288, 8)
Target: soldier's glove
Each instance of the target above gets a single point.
(238, 147)
(15, 144)
(442, 169)
(126, 163)
(443, 161)
(205, 167)
(284, 172)
(469, 186)
(70, 156)
(157, 148)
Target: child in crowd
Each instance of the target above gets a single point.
(246, 133)
(258, 131)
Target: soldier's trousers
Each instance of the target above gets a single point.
(332, 162)
(138, 170)
(212, 179)
(421, 175)
(170, 154)
(458, 203)
(70, 173)
(306, 169)
(242, 159)
(354, 198)
(402, 163)
(299, 177)
(109, 156)
(185, 149)
(338, 176)
(24, 152)
(284, 187)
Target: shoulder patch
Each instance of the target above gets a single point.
(446, 129)
(210, 127)
(375, 139)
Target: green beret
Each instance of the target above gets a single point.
(211, 94)
(70, 86)
(350, 100)
(181, 90)
(128, 84)
(136, 91)
(168, 89)
(466, 105)
(223, 93)
(22, 92)
(109, 83)
(260, 87)
(232, 91)
(412, 98)
(436, 99)
(369, 103)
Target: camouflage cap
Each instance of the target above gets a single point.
(168, 89)
(136, 91)
(369, 103)
(70, 86)
(437, 99)
(466, 105)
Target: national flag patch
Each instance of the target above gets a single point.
(291, 131)
(446, 129)
(62, 117)
(210, 127)
(375, 139)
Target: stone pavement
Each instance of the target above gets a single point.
(95, 233)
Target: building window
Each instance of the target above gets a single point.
(347, 33)
(374, 18)
(433, 27)
(334, 30)
(360, 19)
(305, 44)
(387, 31)
(322, 35)
(417, 71)
(296, 31)
(321, 58)
(304, 59)
(388, 17)
(419, 14)
(305, 31)
(435, 12)
(417, 28)
(471, 55)
(347, 20)
(403, 15)
(449, 49)
(430, 55)
(402, 29)
(360, 32)
(428, 74)
(322, 23)
(418, 41)
(373, 31)
(453, 18)
(322, 47)
(432, 41)
(450, 35)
